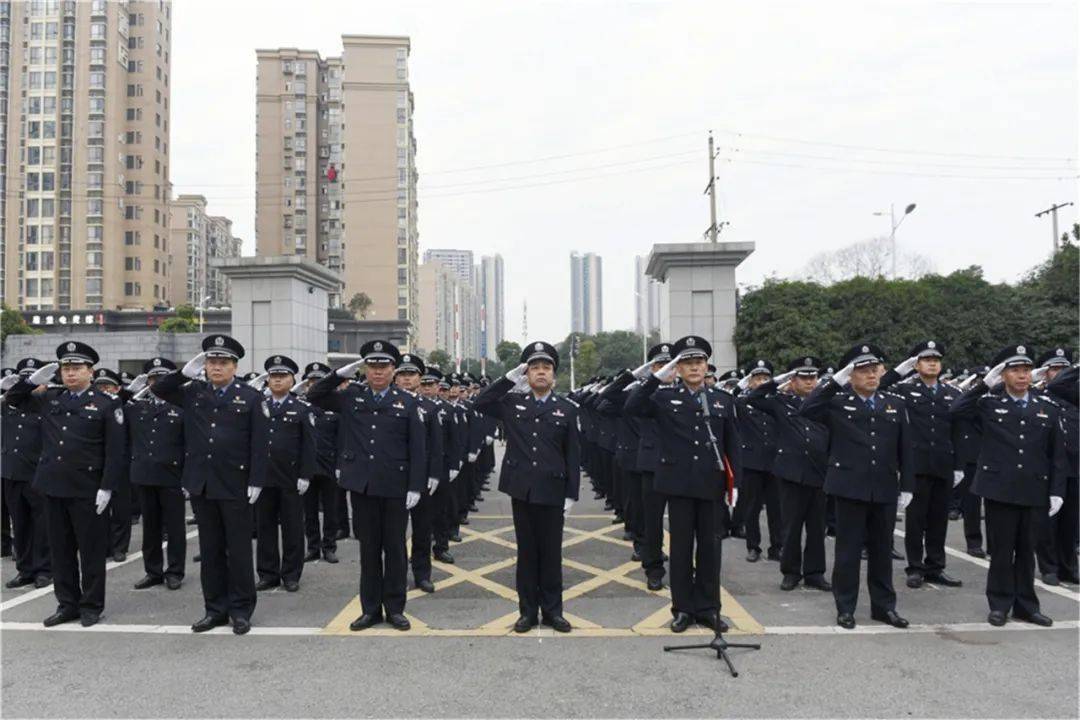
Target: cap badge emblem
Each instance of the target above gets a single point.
(219, 341)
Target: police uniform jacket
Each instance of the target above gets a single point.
(542, 464)
(477, 428)
(802, 445)
(20, 442)
(627, 427)
(929, 422)
(459, 436)
(1022, 460)
(83, 444)
(868, 450)
(381, 443)
(757, 436)
(225, 435)
(687, 464)
(326, 428)
(432, 414)
(156, 440)
(1063, 389)
(292, 450)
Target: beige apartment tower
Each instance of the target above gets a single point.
(198, 239)
(336, 168)
(84, 154)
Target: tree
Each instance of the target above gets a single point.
(184, 322)
(13, 323)
(442, 360)
(508, 352)
(359, 305)
(869, 258)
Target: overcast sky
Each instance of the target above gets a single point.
(595, 117)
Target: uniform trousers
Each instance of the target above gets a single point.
(118, 513)
(163, 514)
(1056, 546)
(30, 534)
(802, 508)
(760, 489)
(695, 555)
(538, 530)
(925, 523)
(859, 524)
(226, 570)
(1010, 581)
(652, 524)
(280, 507)
(78, 543)
(322, 495)
(381, 522)
(420, 556)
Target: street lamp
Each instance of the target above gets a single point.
(895, 224)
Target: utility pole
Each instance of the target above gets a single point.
(1052, 211)
(711, 190)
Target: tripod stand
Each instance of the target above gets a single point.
(721, 646)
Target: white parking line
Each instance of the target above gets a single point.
(42, 592)
(947, 628)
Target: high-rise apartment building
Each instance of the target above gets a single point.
(646, 299)
(492, 304)
(459, 262)
(84, 154)
(197, 239)
(336, 167)
(586, 294)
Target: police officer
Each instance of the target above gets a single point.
(382, 461)
(757, 437)
(156, 440)
(441, 505)
(1057, 534)
(82, 462)
(802, 453)
(410, 368)
(225, 438)
(699, 457)
(119, 510)
(628, 440)
(926, 519)
(21, 443)
(292, 462)
(1021, 470)
(653, 503)
(541, 472)
(869, 448)
(323, 491)
(967, 443)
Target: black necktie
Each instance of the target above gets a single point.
(870, 404)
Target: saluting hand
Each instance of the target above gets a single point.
(43, 375)
(642, 371)
(348, 371)
(666, 374)
(194, 366)
(258, 381)
(137, 384)
(907, 366)
(9, 382)
(515, 375)
(993, 378)
(841, 376)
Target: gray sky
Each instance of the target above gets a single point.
(797, 93)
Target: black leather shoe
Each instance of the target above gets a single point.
(753, 555)
(976, 551)
(89, 619)
(846, 621)
(889, 617)
(59, 617)
(557, 623)
(680, 622)
(456, 537)
(954, 515)
(524, 624)
(790, 582)
(209, 623)
(473, 508)
(425, 586)
(654, 584)
(713, 622)
(997, 618)
(291, 585)
(635, 556)
(149, 581)
(241, 626)
(1050, 579)
(818, 583)
(173, 583)
(444, 557)
(19, 581)
(196, 558)
(312, 555)
(1035, 619)
(364, 622)
(119, 557)
(42, 581)
(944, 580)
(398, 621)
(914, 581)
(266, 585)
(330, 556)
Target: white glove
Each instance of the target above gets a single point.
(348, 371)
(259, 381)
(841, 376)
(137, 384)
(957, 477)
(187, 495)
(642, 372)
(993, 378)
(43, 375)
(472, 457)
(299, 388)
(10, 381)
(907, 366)
(194, 366)
(1055, 504)
(488, 440)
(566, 505)
(432, 485)
(1038, 373)
(744, 382)
(904, 500)
(411, 498)
(302, 485)
(667, 373)
(968, 381)
(453, 474)
(102, 500)
(522, 386)
(253, 494)
(734, 498)
(516, 374)
(783, 378)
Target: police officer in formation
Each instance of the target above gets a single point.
(434, 390)
(119, 511)
(322, 495)
(757, 432)
(541, 474)
(382, 462)
(1056, 546)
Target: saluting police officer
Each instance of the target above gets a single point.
(967, 443)
(119, 512)
(927, 517)
(441, 505)
(382, 461)
(757, 437)
(156, 439)
(1055, 549)
(653, 503)
(82, 462)
(292, 462)
(541, 472)
(869, 448)
(323, 491)
(699, 451)
(1021, 470)
(21, 448)
(225, 438)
